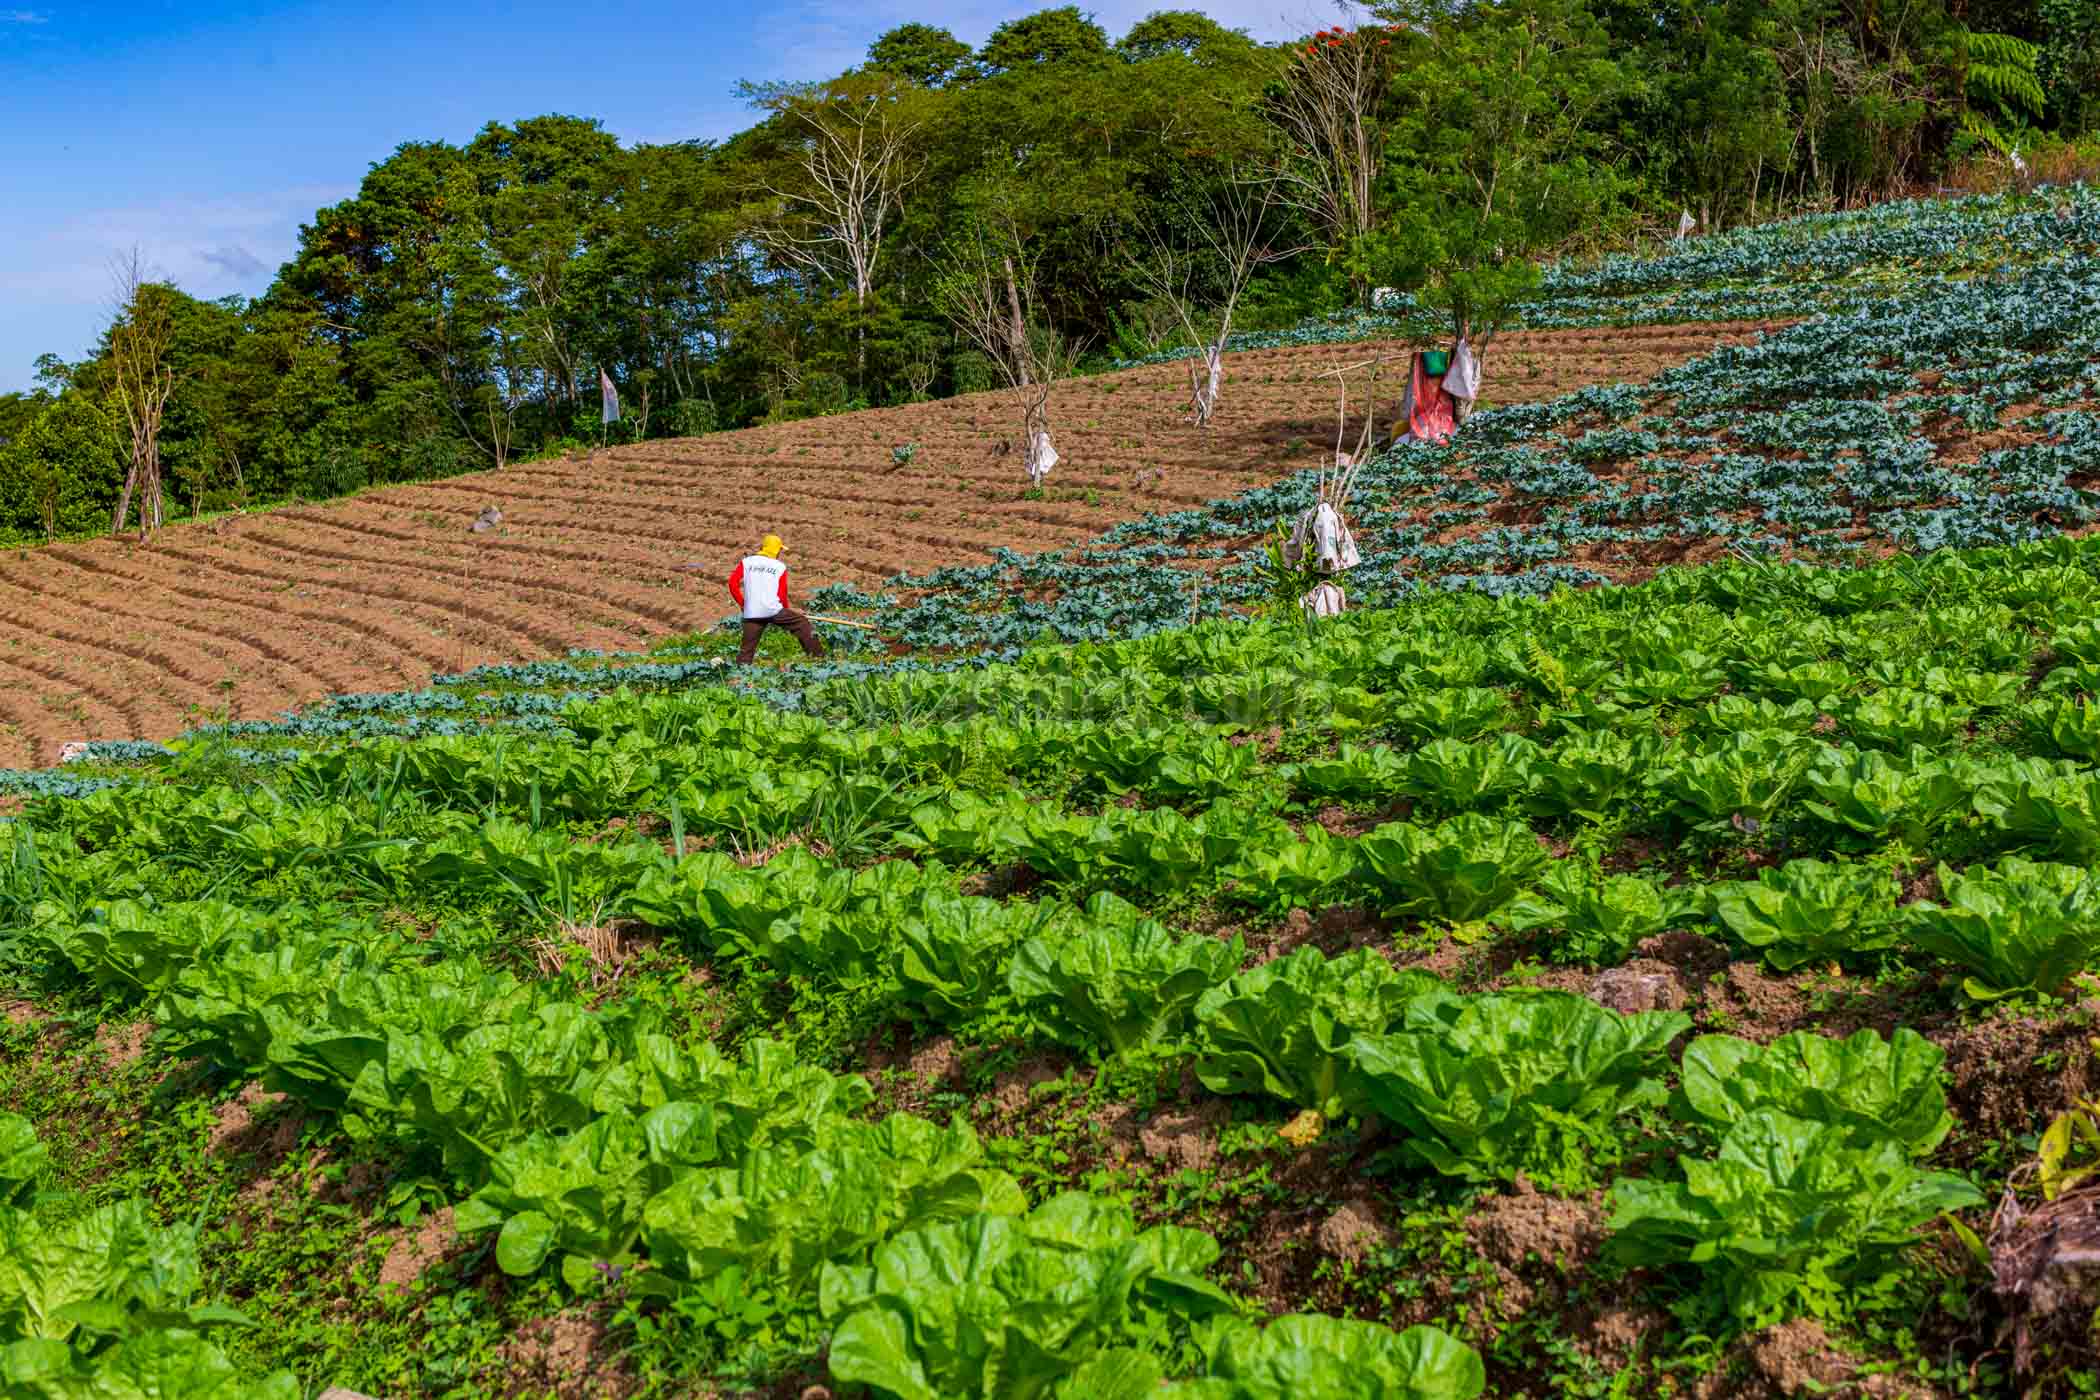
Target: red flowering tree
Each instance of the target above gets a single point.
(1331, 108)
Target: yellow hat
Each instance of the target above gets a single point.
(770, 546)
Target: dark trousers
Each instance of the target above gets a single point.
(797, 624)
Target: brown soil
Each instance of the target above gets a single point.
(937, 1063)
(2009, 1075)
(250, 615)
(1354, 1231)
(1799, 1358)
(1334, 931)
(1536, 1243)
(1693, 957)
(563, 1356)
(234, 1126)
(1758, 1006)
(412, 1253)
(1186, 1139)
(123, 1046)
(1011, 1093)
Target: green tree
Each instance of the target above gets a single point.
(1047, 36)
(1493, 160)
(922, 54)
(1188, 34)
(59, 475)
(2069, 63)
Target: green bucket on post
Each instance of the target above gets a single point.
(1436, 361)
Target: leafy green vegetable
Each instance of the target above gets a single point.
(1314, 1357)
(150, 1366)
(952, 947)
(2024, 927)
(1463, 869)
(1489, 1086)
(1879, 796)
(785, 1211)
(1810, 910)
(103, 1304)
(1590, 774)
(109, 1273)
(1749, 776)
(1303, 874)
(1457, 776)
(1283, 1028)
(1455, 712)
(1901, 719)
(1601, 917)
(2052, 807)
(1788, 1214)
(1892, 1090)
(22, 1159)
(999, 1306)
(1121, 983)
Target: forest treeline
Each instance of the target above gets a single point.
(930, 221)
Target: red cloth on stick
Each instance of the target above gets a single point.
(1432, 414)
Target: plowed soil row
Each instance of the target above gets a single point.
(244, 617)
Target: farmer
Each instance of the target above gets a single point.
(760, 586)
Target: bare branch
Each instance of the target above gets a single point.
(1234, 222)
(857, 154)
(141, 331)
(986, 284)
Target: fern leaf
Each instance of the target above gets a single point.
(2003, 70)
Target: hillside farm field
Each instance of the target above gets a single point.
(247, 616)
(1648, 946)
(1644, 991)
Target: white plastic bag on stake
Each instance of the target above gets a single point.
(1322, 536)
(1325, 600)
(1685, 224)
(1041, 456)
(1462, 379)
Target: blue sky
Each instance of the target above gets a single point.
(205, 134)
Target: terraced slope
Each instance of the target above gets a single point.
(245, 617)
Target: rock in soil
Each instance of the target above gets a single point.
(1353, 1231)
(1186, 1139)
(1643, 984)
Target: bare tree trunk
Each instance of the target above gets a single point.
(1235, 225)
(988, 294)
(1016, 327)
(139, 337)
(123, 511)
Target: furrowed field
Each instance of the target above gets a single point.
(1646, 947)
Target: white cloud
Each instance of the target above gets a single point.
(23, 17)
(208, 247)
(236, 263)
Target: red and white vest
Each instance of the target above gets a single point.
(764, 583)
